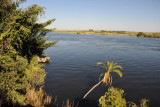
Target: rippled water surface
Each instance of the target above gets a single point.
(73, 71)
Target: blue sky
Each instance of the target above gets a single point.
(126, 15)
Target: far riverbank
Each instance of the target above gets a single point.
(102, 32)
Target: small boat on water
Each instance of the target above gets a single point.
(45, 59)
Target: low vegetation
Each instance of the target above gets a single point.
(66, 103)
(149, 35)
(115, 98)
(103, 32)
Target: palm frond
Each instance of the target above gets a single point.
(118, 72)
(115, 64)
(108, 65)
(100, 63)
(103, 65)
(117, 67)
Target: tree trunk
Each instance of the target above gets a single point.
(92, 88)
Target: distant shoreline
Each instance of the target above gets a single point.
(102, 32)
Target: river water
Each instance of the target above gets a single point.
(72, 70)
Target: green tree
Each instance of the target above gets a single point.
(113, 98)
(141, 34)
(29, 40)
(22, 39)
(22, 29)
(107, 78)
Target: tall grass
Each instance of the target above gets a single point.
(66, 103)
(38, 98)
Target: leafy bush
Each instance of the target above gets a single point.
(17, 76)
(113, 98)
(12, 78)
(141, 34)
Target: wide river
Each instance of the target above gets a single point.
(73, 68)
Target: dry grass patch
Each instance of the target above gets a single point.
(38, 98)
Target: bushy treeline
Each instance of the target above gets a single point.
(149, 35)
(21, 42)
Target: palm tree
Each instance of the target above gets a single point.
(107, 78)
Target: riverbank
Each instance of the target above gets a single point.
(123, 33)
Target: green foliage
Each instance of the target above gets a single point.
(141, 34)
(22, 39)
(12, 77)
(143, 103)
(113, 98)
(20, 25)
(17, 75)
(30, 35)
(34, 73)
(149, 35)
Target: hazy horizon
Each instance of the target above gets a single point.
(110, 15)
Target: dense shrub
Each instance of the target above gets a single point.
(141, 34)
(17, 76)
(113, 98)
(149, 35)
